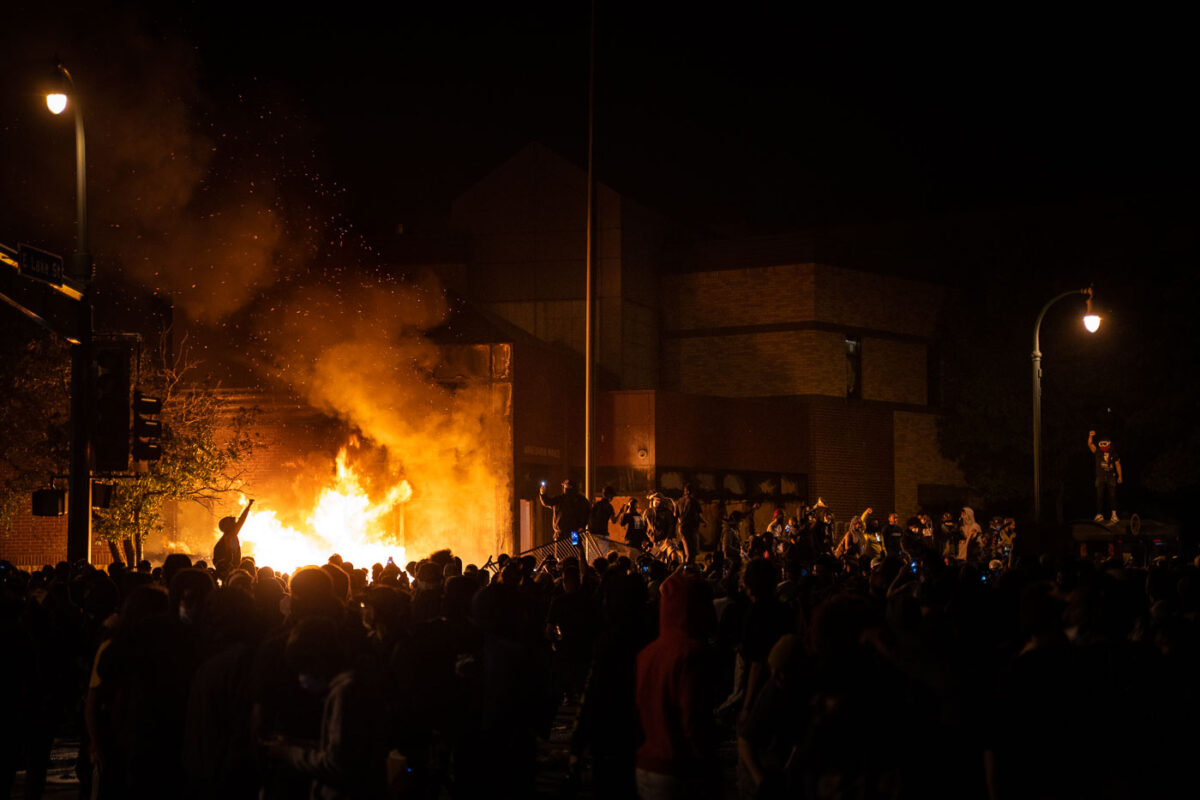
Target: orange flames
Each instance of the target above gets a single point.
(344, 520)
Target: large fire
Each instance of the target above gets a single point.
(344, 520)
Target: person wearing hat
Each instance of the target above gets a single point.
(947, 536)
(1108, 475)
(602, 512)
(227, 552)
(571, 509)
(687, 512)
(660, 519)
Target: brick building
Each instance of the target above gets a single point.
(750, 367)
(763, 370)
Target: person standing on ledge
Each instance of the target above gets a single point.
(227, 552)
(1108, 475)
(571, 510)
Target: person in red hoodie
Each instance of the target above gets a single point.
(676, 690)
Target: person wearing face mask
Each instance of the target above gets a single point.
(349, 758)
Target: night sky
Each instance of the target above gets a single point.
(754, 120)
(759, 120)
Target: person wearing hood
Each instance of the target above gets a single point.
(675, 690)
(854, 542)
(972, 533)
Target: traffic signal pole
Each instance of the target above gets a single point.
(79, 497)
(83, 384)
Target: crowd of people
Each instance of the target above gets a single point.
(670, 527)
(889, 660)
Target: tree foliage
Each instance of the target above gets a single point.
(34, 415)
(203, 445)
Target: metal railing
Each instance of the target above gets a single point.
(591, 546)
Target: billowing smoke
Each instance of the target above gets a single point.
(358, 350)
(217, 206)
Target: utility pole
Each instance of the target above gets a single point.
(589, 389)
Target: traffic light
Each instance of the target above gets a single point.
(111, 438)
(49, 503)
(146, 431)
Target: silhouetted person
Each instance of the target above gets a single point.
(348, 760)
(227, 552)
(634, 523)
(674, 694)
(602, 512)
(687, 511)
(571, 510)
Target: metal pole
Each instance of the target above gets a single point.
(79, 507)
(1037, 403)
(589, 316)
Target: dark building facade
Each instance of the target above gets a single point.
(759, 374)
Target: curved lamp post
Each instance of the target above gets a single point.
(57, 102)
(79, 509)
(1091, 321)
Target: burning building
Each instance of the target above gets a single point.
(398, 417)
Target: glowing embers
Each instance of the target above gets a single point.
(343, 519)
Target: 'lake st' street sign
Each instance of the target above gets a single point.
(40, 264)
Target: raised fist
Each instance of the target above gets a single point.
(1091, 434)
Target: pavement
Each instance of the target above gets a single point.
(61, 781)
(556, 775)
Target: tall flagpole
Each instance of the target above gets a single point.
(589, 317)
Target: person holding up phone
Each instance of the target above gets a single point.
(571, 510)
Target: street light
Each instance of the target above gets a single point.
(57, 100)
(1091, 322)
(79, 508)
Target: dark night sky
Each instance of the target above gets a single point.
(779, 117)
(1042, 142)
(756, 120)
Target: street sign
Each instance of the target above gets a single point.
(40, 264)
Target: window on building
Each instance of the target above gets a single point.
(853, 367)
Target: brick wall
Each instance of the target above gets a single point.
(894, 371)
(876, 302)
(36, 541)
(852, 456)
(917, 458)
(736, 297)
(757, 364)
(803, 312)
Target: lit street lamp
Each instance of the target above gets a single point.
(79, 508)
(1091, 321)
